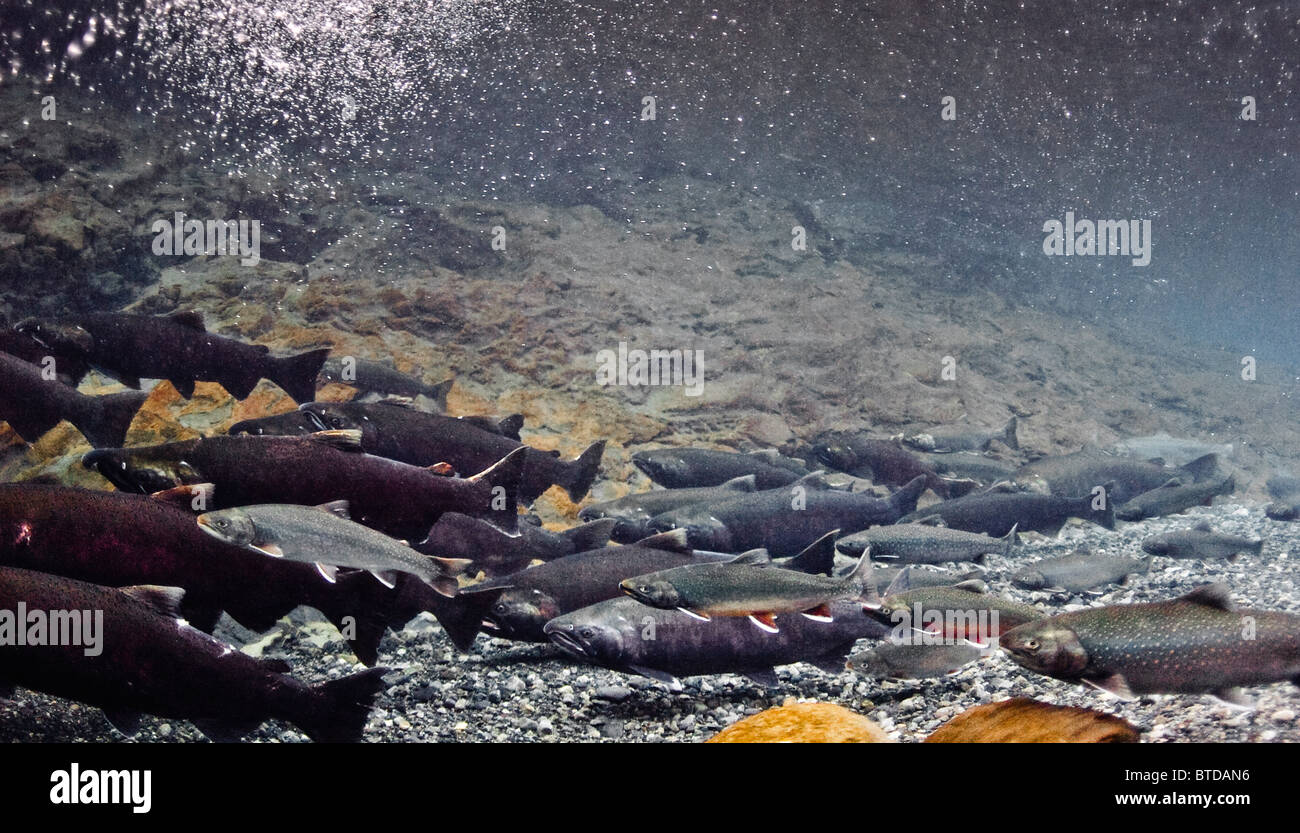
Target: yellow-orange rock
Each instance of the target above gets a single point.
(1022, 720)
(803, 723)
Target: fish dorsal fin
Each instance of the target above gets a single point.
(931, 520)
(338, 508)
(396, 401)
(747, 483)
(165, 600)
(766, 455)
(817, 558)
(972, 586)
(902, 582)
(193, 319)
(1171, 483)
(1156, 461)
(674, 540)
(752, 558)
(345, 440)
(1203, 526)
(509, 426)
(815, 480)
(1215, 595)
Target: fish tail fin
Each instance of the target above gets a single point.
(341, 707)
(904, 500)
(114, 413)
(1008, 437)
(363, 633)
(297, 374)
(359, 607)
(462, 617)
(502, 479)
(581, 473)
(1106, 515)
(438, 393)
(1009, 540)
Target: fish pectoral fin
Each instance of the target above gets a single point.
(223, 732)
(1235, 698)
(328, 572)
(820, 613)
(166, 601)
(185, 387)
(1114, 685)
(385, 577)
(124, 720)
(764, 621)
(445, 586)
(694, 615)
(656, 674)
(338, 508)
(766, 678)
(272, 550)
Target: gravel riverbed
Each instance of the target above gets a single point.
(505, 691)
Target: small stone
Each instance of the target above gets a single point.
(614, 693)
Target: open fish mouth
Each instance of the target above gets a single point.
(568, 643)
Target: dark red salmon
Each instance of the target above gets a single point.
(32, 405)
(119, 539)
(175, 347)
(148, 660)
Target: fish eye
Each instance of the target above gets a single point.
(1032, 644)
(586, 633)
(499, 607)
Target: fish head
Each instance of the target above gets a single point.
(1029, 579)
(144, 470)
(1283, 510)
(863, 662)
(591, 640)
(1158, 545)
(892, 612)
(58, 335)
(661, 466)
(1046, 647)
(294, 423)
(703, 531)
(331, 417)
(230, 525)
(519, 614)
(653, 591)
(331, 371)
(1128, 512)
(838, 455)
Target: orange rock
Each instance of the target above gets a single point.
(265, 400)
(803, 723)
(1022, 720)
(156, 422)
